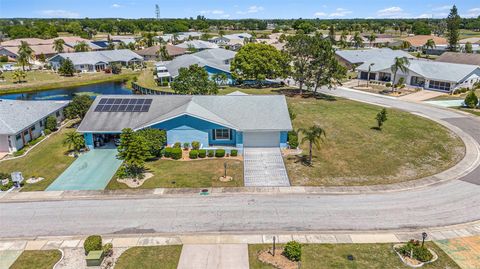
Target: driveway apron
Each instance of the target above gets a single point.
(264, 167)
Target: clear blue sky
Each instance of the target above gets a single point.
(235, 9)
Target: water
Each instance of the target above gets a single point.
(68, 93)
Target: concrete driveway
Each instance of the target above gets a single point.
(264, 167)
(219, 256)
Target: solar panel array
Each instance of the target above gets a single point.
(123, 105)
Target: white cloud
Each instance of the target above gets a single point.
(391, 12)
(251, 9)
(473, 12)
(339, 12)
(58, 13)
(116, 6)
(213, 11)
(425, 16)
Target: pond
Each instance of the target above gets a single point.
(68, 93)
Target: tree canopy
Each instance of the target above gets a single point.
(194, 80)
(78, 107)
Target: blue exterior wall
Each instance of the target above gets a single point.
(211, 71)
(239, 139)
(88, 140)
(187, 129)
(283, 139)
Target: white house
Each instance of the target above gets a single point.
(92, 61)
(23, 121)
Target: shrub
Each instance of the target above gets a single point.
(202, 153)
(108, 249)
(193, 154)
(195, 145)
(168, 152)
(186, 145)
(51, 123)
(219, 153)
(177, 145)
(419, 253)
(388, 84)
(293, 251)
(211, 153)
(234, 152)
(471, 100)
(93, 242)
(176, 153)
(3, 58)
(293, 139)
(47, 132)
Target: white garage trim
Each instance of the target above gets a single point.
(261, 139)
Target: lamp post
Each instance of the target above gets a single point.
(424, 236)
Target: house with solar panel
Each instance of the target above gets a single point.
(95, 61)
(229, 122)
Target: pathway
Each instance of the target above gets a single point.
(264, 167)
(214, 256)
(421, 95)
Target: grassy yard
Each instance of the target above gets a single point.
(155, 257)
(332, 256)
(453, 96)
(189, 174)
(38, 259)
(408, 147)
(47, 160)
(38, 80)
(475, 112)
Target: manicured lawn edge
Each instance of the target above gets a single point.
(38, 259)
(151, 257)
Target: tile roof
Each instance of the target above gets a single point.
(459, 58)
(243, 113)
(152, 51)
(16, 115)
(420, 40)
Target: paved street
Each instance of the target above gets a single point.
(264, 167)
(457, 201)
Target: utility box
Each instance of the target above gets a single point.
(95, 258)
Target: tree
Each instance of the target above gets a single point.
(66, 68)
(42, 58)
(371, 39)
(468, 47)
(74, 140)
(78, 107)
(401, 63)
(421, 28)
(471, 100)
(331, 33)
(430, 44)
(58, 45)
(194, 80)
(381, 118)
(299, 48)
(19, 75)
(357, 40)
(257, 61)
(134, 151)
(155, 138)
(405, 45)
(116, 68)
(25, 54)
(314, 136)
(51, 123)
(220, 78)
(163, 54)
(81, 46)
(343, 43)
(324, 67)
(453, 26)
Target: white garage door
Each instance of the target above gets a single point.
(261, 139)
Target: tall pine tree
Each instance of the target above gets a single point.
(453, 25)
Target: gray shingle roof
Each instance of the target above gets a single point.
(198, 44)
(243, 113)
(16, 115)
(212, 57)
(361, 56)
(93, 57)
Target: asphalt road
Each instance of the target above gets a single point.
(457, 201)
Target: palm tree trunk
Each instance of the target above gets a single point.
(300, 86)
(393, 82)
(310, 154)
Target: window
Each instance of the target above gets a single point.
(439, 85)
(57, 113)
(222, 134)
(33, 128)
(41, 123)
(25, 133)
(18, 137)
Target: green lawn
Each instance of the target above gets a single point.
(189, 174)
(367, 256)
(453, 96)
(47, 160)
(38, 259)
(408, 147)
(155, 257)
(37, 80)
(475, 112)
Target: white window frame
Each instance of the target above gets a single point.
(217, 136)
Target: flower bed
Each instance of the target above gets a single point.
(415, 255)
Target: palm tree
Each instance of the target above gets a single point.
(74, 141)
(371, 39)
(401, 63)
(19, 75)
(25, 54)
(343, 40)
(162, 53)
(81, 46)
(220, 78)
(405, 45)
(430, 44)
(58, 45)
(357, 40)
(313, 135)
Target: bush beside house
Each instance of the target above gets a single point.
(93, 242)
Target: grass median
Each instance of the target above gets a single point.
(154, 257)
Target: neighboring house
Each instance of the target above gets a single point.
(39, 46)
(354, 58)
(232, 42)
(151, 53)
(429, 75)
(459, 58)
(198, 45)
(23, 121)
(418, 42)
(215, 121)
(182, 36)
(92, 61)
(213, 60)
